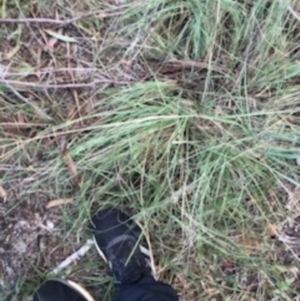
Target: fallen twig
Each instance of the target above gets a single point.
(73, 257)
(60, 86)
(80, 70)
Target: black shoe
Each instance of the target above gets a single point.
(61, 290)
(117, 240)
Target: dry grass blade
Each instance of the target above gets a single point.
(99, 13)
(3, 194)
(20, 125)
(149, 251)
(193, 64)
(59, 36)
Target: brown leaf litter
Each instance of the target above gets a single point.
(69, 161)
(58, 202)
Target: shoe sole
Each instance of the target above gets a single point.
(143, 249)
(82, 291)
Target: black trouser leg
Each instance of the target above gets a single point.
(147, 289)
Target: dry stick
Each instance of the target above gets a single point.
(80, 70)
(58, 86)
(102, 13)
(73, 257)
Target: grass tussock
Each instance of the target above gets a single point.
(185, 113)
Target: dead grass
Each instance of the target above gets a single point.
(184, 113)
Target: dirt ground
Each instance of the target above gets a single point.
(33, 243)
